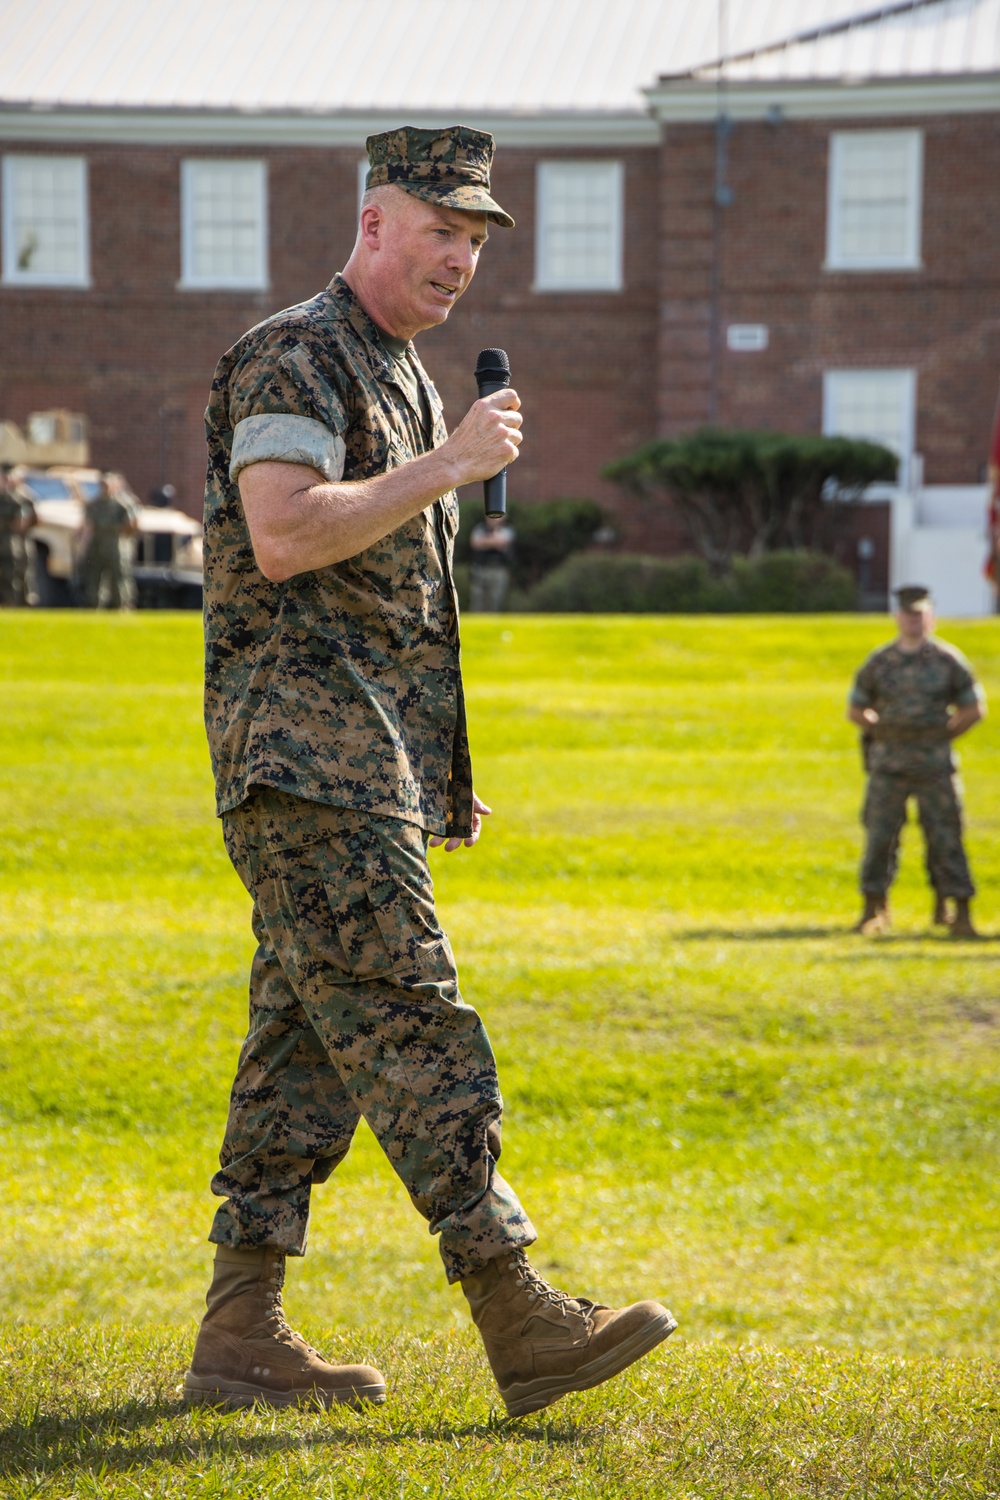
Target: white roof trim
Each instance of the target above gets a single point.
(680, 100)
(194, 127)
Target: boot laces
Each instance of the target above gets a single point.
(275, 1321)
(539, 1290)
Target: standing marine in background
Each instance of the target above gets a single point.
(104, 563)
(910, 700)
(15, 519)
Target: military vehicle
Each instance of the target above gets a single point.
(51, 470)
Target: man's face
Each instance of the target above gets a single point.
(914, 625)
(427, 257)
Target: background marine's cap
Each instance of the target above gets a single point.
(450, 167)
(913, 596)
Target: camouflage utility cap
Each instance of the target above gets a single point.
(913, 596)
(450, 167)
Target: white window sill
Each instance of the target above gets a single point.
(578, 286)
(60, 283)
(223, 286)
(873, 265)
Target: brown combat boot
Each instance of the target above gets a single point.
(941, 917)
(542, 1344)
(961, 926)
(247, 1353)
(875, 917)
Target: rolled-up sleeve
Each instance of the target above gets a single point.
(284, 438)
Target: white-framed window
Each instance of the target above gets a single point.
(874, 200)
(579, 222)
(878, 405)
(45, 231)
(223, 223)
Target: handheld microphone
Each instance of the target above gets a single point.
(492, 374)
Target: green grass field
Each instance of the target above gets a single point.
(714, 1093)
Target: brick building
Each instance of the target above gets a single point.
(802, 237)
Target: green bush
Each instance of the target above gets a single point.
(792, 583)
(778, 582)
(548, 532)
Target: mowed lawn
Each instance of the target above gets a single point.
(714, 1093)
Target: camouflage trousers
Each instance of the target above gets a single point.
(11, 571)
(101, 567)
(940, 809)
(355, 1011)
(488, 589)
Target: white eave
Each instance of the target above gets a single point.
(674, 101)
(590, 129)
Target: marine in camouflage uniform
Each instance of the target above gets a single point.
(911, 698)
(336, 723)
(11, 546)
(103, 569)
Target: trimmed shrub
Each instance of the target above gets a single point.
(620, 583)
(792, 583)
(779, 582)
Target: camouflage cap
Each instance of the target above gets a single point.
(913, 596)
(450, 167)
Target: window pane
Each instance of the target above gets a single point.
(45, 224)
(872, 404)
(225, 232)
(875, 198)
(579, 217)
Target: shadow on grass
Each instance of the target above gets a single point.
(757, 934)
(866, 946)
(46, 1444)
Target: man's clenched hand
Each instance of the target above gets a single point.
(479, 812)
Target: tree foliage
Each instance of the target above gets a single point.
(747, 493)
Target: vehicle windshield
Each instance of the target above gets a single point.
(89, 487)
(46, 487)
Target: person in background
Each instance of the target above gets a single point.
(911, 699)
(105, 574)
(492, 543)
(13, 551)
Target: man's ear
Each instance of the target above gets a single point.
(371, 222)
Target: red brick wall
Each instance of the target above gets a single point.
(599, 373)
(943, 320)
(137, 355)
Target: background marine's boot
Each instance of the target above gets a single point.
(541, 1343)
(962, 926)
(875, 916)
(247, 1353)
(941, 917)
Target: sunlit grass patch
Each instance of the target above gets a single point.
(713, 1092)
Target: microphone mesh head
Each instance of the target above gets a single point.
(494, 360)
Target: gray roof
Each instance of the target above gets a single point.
(906, 39)
(420, 56)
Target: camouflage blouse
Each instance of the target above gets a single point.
(341, 685)
(913, 693)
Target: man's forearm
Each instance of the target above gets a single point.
(298, 522)
(963, 719)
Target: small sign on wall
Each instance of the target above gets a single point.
(748, 338)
